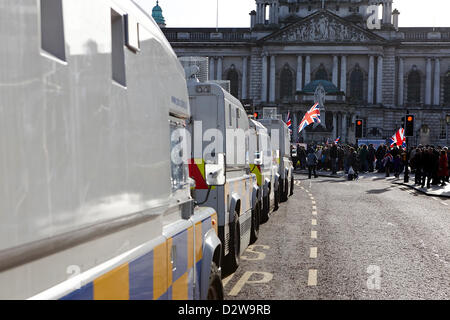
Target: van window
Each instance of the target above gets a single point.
(117, 49)
(52, 28)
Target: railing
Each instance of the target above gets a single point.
(206, 35)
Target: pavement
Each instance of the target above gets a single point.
(349, 240)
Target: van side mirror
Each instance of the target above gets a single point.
(215, 173)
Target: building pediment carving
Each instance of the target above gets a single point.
(323, 27)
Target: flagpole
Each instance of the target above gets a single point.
(217, 17)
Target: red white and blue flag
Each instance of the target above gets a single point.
(337, 140)
(288, 121)
(312, 116)
(399, 138)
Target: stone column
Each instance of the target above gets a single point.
(264, 78)
(344, 74)
(275, 15)
(401, 79)
(299, 73)
(371, 79)
(272, 79)
(335, 70)
(219, 68)
(334, 134)
(380, 80)
(308, 70)
(344, 128)
(437, 82)
(428, 83)
(244, 77)
(212, 65)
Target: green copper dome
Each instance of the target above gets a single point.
(327, 85)
(157, 14)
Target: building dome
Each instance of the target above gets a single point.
(329, 87)
(158, 16)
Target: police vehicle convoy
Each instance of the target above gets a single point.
(102, 192)
(91, 205)
(224, 138)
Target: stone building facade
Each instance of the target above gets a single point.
(371, 71)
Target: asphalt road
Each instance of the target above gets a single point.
(335, 239)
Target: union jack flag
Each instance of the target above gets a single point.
(288, 121)
(313, 115)
(337, 140)
(399, 138)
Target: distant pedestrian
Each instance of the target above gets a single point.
(311, 161)
(443, 167)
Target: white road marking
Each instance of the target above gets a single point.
(445, 204)
(314, 207)
(256, 254)
(227, 279)
(245, 279)
(435, 198)
(313, 234)
(314, 213)
(312, 277)
(313, 253)
(314, 222)
(313, 202)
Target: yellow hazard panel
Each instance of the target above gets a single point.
(113, 285)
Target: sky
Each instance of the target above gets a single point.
(235, 13)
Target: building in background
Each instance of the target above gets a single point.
(293, 46)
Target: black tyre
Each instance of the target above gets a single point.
(266, 209)
(292, 186)
(234, 256)
(284, 193)
(215, 288)
(256, 220)
(277, 198)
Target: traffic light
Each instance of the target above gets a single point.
(409, 125)
(255, 115)
(359, 128)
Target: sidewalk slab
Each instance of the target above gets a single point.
(434, 191)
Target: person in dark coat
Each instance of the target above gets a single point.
(428, 167)
(443, 167)
(371, 157)
(333, 158)
(311, 161)
(417, 164)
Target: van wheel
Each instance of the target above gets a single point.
(284, 193)
(215, 288)
(277, 198)
(256, 220)
(292, 186)
(234, 256)
(266, 209)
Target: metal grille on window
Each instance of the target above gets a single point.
(233, 77)
(414, 86)
(286, 85)
(356, 85)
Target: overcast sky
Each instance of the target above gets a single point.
(235, 13)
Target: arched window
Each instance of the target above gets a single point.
(356, 84)
(233, 77)
(321, 74)
(414, 86)
(447, 89)
(286, 82)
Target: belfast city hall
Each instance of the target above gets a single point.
(369, 67)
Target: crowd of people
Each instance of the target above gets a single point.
(429, 164)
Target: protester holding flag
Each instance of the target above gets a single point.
(312, 116)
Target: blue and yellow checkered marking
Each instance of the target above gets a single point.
(152, 276)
